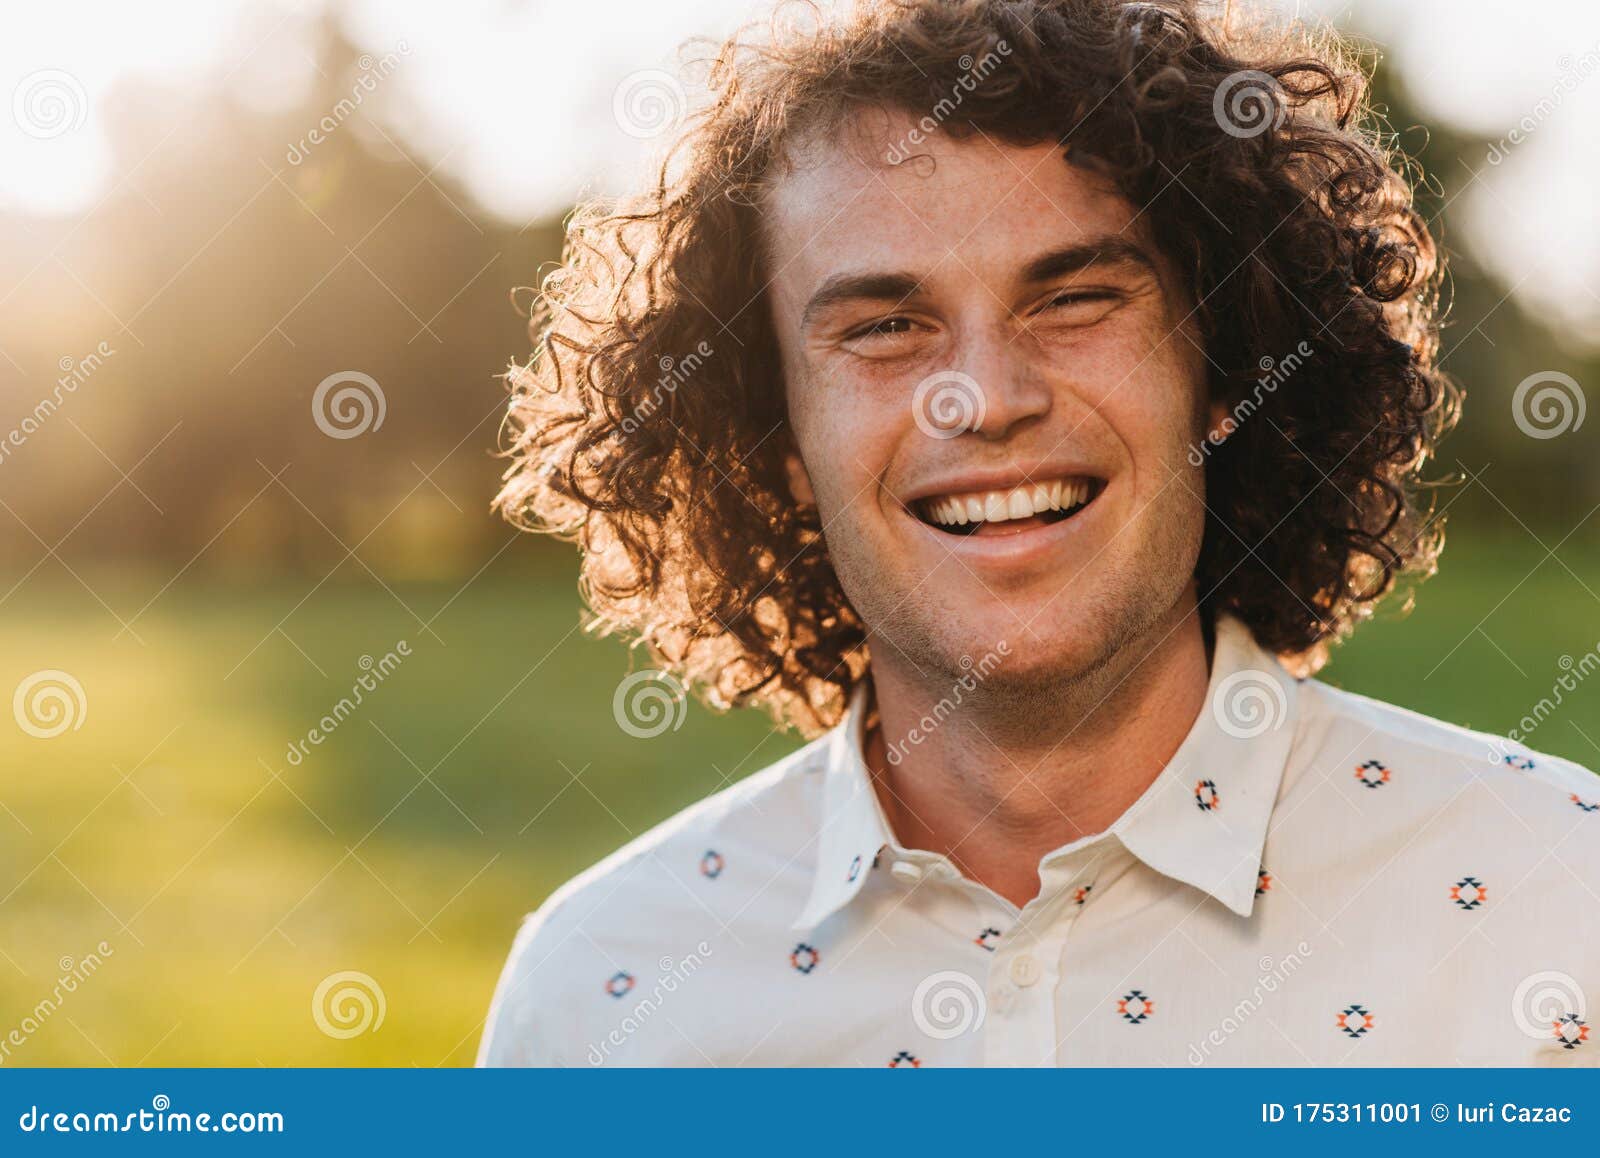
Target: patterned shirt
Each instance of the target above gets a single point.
(1315, 878)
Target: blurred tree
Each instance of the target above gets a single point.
(232, 269)
(239, 261)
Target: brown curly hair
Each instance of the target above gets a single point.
(650, 423)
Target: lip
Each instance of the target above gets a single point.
(1013, 550)
(1003, 478)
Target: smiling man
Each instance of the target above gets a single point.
(1048, 386)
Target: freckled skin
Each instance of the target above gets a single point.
(1101, 366)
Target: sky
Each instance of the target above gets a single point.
(531, 105)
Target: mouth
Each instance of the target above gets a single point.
(1022, 508)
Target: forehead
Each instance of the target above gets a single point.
(973, 205)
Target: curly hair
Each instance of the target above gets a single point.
(650, 423)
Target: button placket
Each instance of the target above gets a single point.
(1024, 970)
(906, 872)
(1025, 976)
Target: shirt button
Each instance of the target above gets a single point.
(1024, 970)
(906, 872)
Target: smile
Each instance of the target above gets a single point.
(1008, 512)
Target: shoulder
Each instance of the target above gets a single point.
(667, 893)
(1390, 778)
(1331, 715)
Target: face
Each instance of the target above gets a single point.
(994, 386)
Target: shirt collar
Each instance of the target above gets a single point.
(1202, 821)
(854, 828)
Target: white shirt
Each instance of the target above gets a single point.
(1314, 879)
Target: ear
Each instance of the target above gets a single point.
(1218, 427)
(799, 480)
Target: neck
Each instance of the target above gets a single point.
(1014, 773)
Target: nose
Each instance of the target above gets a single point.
(992, 390)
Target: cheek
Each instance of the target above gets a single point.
(1153, 399)
(848, 433)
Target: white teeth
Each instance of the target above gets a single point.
(999, 506)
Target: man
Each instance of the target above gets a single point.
(1042, 378)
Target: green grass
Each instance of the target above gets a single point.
(478, 776)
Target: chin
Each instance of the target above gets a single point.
(1007, 655)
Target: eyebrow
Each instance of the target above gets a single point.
(1105, 250)
(896, 287)
(899, 287)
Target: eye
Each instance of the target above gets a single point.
(884, 327)
(1069, 298)
(1076, 307)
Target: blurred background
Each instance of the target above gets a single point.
(259, 270)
